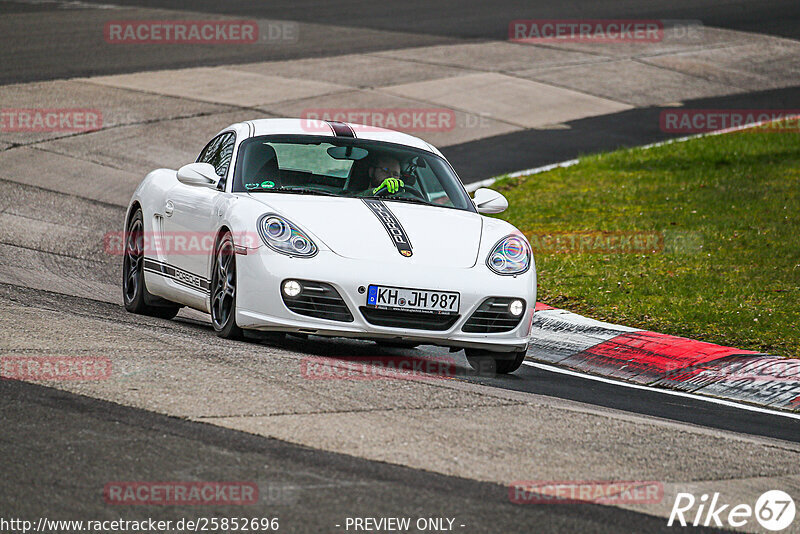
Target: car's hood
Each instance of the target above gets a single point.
(438, 236)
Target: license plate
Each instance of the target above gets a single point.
(418, 300)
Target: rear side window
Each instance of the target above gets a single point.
(218, 153)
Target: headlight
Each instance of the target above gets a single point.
(282, 236)
(511, 255)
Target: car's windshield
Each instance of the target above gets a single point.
(347, 168)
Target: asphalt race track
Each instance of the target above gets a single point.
(309, 490)
(55, 43)
(185, 405)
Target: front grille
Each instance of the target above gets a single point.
(493, 316)
(407, 319)
(318, 299)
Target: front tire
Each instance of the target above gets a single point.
(134, 292)
(223, 289)
(489, 362)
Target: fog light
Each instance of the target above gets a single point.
(515, 308)
(292, 288)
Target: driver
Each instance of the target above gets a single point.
(384, 172)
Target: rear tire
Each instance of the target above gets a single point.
(489, 362)
(134, 292)
(223, 289)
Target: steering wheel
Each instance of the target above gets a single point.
(384, 191)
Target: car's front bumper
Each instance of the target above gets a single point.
(260, 305)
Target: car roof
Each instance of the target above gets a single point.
(323, 128)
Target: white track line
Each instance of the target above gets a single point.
(674, 393)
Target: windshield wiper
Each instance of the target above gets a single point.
(306, 191)
(403, 199)
(259, 190)
(295, 190)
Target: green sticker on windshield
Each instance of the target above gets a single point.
(266, 184)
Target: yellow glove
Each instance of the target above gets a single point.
(393, 185)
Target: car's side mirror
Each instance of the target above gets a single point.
(198, 174)
(489, 201)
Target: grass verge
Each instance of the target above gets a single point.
(699, 239)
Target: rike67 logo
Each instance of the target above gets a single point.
(774, 510)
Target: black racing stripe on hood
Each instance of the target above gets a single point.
(341, 129)
(392, 225)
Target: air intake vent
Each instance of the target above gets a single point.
(320, 300)
(493, 316)
(405, 319)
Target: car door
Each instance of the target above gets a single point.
(190, 221)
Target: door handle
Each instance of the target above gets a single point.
(169, 208)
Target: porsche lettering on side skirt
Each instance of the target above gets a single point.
(180, 276)
(392, 225)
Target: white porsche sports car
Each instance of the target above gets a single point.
(332, 229)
